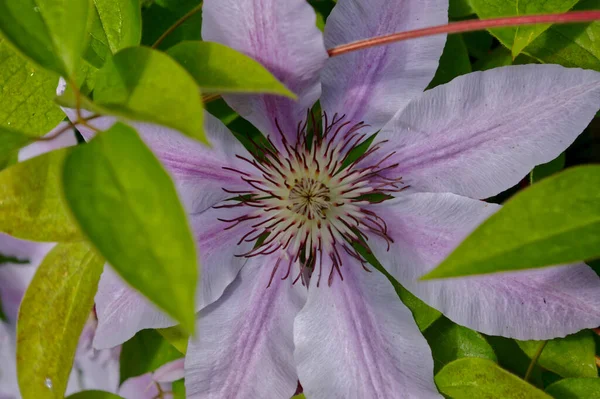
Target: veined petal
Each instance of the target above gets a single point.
(535, 304)
(122, 311)
(197, 170)
(170, 372)
(8, 377)
(282, 36)
(246, 346)
(371, 85)
(65, 139)
(356, 339)
(483, 132)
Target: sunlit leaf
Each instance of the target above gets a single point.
(145, 352)
(115, 25)
(26, 94)
(176, 337)
(94, 395)
(126, 204)
(555, 221)
(10, 143)
(575, 388)
(449, 342)
(54, 310)
(470, 378)
(143, 84)
(572, 356)
(220, 69)
(31, 200)
(50, 32)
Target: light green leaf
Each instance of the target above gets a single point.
(176, 337)
(26, 94)
(572, 356)
(220, 69)
(54, 310)
(299, 396)
(115, 25)
(526, 34)
(144, 353)
(555, 221)
(10, 143)
(178, 389)
(449, 342)
(31, 200)
(94, 395)
(50, 32)
(143, 84)
(454, 61)
(470, 378)
(575, 388)
(547, 169)
(126, 204)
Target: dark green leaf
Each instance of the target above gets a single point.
(555, 221)
(115, 25)
(50, 32)
(575, 388)
(54, 310)
(144, 353)
(449, 342)
(31, 200)
(220, 69)
(454, 61)
(127, 206)
(94, 395)
(547, 169)
(162, 14)
(460, 9)
(176, 337)
(572, 356)
(26, 94)
(144, 84)
(470, 378)
(512, 358)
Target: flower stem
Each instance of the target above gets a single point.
(177, 24)
(467, 26)
(534, 360)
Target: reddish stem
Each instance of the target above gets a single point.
(467, 26)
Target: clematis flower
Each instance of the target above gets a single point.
(284, 294)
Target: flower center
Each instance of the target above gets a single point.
(309, 200)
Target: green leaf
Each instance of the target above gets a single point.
(512, 358)
(547, 169)
(570, 45)
(50, 32)
(449, 342)
(94, 395)
(220, 69)
(470, 378)
(178, 389)
(54, 310)
(10, 143)
(126, 204)
(572, 356)
(575, 388)
(144, 353)
(115, 25)
(299, 396)
(524, 35)
(454, 61)
(176, 337)
(31, 200)
(146, 85)
(162, 14)
(460, 9)
(26, 94)
(555, 221)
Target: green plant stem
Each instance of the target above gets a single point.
(534, 360)
(177, 25)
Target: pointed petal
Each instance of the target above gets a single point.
(537, 304)
(282, 36)
(356, 339)
(246, 346)
(122, 311)
(373, 84)
(197, 170)
(65, 139)
(483, 132)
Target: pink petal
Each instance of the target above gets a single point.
(245, 345)
(536, 304)
(372, 85)
(356, 339)
(141, 387)
(65, 139)
(281, 35)
(483, 132)
(170, 372)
